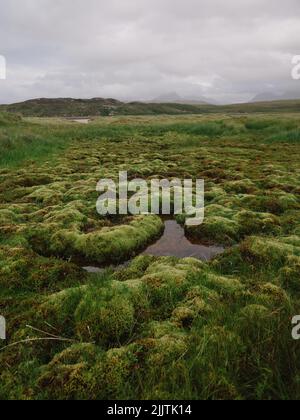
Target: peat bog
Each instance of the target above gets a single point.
(160, 327)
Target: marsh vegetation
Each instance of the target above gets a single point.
(162, 327)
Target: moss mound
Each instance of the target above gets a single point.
(159, 328)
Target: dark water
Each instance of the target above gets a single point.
(174, 243)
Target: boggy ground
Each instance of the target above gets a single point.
(161, 328)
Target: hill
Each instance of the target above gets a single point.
(269, 96)
(69, 107)
(72, 108)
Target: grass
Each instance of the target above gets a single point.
(291, 136)
(160, 328)
(68, 107)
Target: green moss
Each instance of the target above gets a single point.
(109, 244)
(58, 310)
(113, 374)
(272, 296)
(240, 187)
(107, 318)
(20, 268)
(289, 275)
(224, 285)
(268, 251)
(216, 229)
(136, 268)
(68, 376)
(46, 196)
(165, 344)
(215, 330)
(260, 223)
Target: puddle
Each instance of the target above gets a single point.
(81, 120)
(174, 243)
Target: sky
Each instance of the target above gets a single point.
(227, 50)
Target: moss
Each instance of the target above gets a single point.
(217, 330)
(136, 268)
(272, 296)
(224, 285)
(276, 204)
(58, 309)
(114, 244)
(288, 201)
(7, 217)
(201, 293)
(46, 196)
(260, 223)
(113, 373)
(255, 311)
(267, 251)
(68, 216)
(240, 187)
(183, 316)
(164, 348)
(20, 268)
(107, 318)
(289, 275)
(67, 376)
(214, 194)
(216, 229)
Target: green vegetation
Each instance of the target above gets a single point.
(68, 107)
(160, 328)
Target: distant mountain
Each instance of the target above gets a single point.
(174, 98)
(64, 107)
(269, 96)
(71, 108)
(264, 97)
(75, 108)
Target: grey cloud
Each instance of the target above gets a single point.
(137, 49)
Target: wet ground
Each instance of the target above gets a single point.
(81, 120)
(174, 243)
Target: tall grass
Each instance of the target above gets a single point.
(291, 136)
(21, 141)
(26, 141)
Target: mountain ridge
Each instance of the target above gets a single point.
(273, 96)
(95, 107)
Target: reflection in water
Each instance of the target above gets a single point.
(174, 243)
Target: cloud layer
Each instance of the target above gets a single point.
(138, 49)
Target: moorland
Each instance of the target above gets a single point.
(160, 327)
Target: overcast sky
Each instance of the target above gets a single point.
(228, 50)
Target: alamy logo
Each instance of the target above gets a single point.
(296, 67)
(296, 329)
(158, 196)
(2, 68)
(2, 328)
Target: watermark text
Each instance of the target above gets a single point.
(2, 328)
(296, 67)
(158, 196)
(2, 67)
(296, 329)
